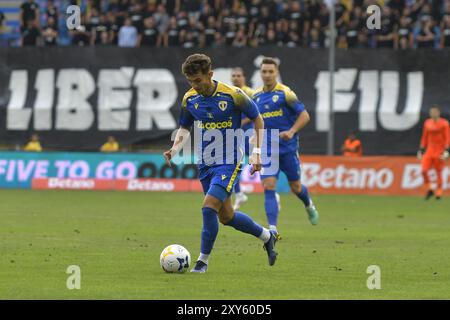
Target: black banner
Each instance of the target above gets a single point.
(75, 97)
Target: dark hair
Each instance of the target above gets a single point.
(239, 69)
(268, 60)
(435, 106)
(196, 63)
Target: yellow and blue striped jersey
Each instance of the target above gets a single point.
(280, 109)
(221, 111)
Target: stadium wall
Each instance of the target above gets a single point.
(148, 172)
(75, 97)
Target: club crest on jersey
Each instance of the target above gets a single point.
(275, 98)
(196, 106)
(224, 177)
(222, 105)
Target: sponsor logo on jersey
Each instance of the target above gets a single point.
(215, 125)
(272, 114)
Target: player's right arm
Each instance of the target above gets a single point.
(180, 139)
(182, 136)
(423, 142)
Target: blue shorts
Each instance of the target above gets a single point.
(289, 163)
(219, 181)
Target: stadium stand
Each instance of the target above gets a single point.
(9, 25)
(214, 23)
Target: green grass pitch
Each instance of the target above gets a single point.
(116, 239)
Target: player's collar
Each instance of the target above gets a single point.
(215, 89)
(273, 89)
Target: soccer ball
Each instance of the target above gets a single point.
(175, 259)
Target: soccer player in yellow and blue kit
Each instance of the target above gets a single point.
(281, 110)
(217, 108)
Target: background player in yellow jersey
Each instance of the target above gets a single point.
(238, 79)
(283, 113)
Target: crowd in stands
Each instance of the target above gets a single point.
(237, 23)
(34, 145)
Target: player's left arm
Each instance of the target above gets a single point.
(358, 147)
(302, 118)
(255, 158)
(423, 142)
(245, 121)
(250, 110)
(300, 123)
(249, 92)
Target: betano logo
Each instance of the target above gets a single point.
(386, 179)
(148, 185)
(347, 178)
(56, 183)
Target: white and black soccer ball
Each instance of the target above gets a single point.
(175, 259)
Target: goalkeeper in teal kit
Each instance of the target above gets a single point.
(286, 115)
(217, 109)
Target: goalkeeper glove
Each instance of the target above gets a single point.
(420, 153)
(445, 154)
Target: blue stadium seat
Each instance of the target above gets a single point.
(11, 27)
